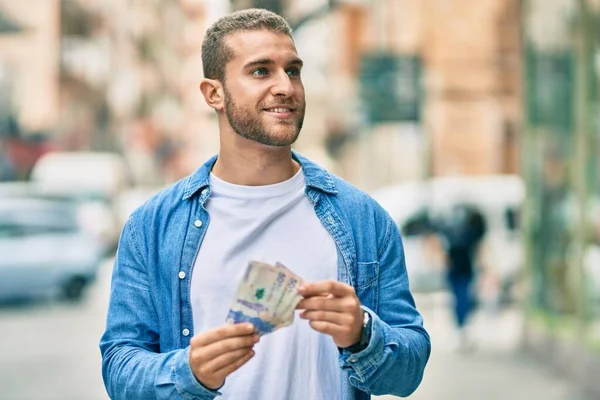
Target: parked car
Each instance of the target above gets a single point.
(96, 179)
(95, 215)
(417, 206)
(44, 250)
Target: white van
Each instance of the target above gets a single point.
(101, 173)
(413, 204)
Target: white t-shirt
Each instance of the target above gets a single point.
(267, 223)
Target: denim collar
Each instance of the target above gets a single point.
(315, 176)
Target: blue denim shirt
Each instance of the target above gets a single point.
(149, 325)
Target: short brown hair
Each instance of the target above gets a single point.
(215, 54)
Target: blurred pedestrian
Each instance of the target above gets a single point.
(183, 252)
(462, 236)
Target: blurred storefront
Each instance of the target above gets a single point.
(561, 164)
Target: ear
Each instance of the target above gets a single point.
(212, 90)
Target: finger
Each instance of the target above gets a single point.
(338, 289)
(225, 359)
(322, 304)
(327, 316)
(215, 349)
(299, 305)
(222, 332)
(225, 371)
(324, 294)
(327, 328)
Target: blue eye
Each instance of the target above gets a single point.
(259, 71)
(293, 71)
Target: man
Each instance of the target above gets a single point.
(183, 253)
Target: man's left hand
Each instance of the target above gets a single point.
(332, 308)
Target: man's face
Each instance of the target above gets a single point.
(264, 95)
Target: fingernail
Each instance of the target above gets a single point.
(302, 288)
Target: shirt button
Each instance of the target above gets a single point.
(185, 332)
(181, 275)
(352, 359)
(203, 192)
(198, 223)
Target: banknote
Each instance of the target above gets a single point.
(266, 297)
(289, 284)
(291, 297)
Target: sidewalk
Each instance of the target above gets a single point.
(494, 370)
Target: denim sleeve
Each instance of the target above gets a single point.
(132, 365)
(399, 348)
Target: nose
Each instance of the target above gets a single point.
(283, 85)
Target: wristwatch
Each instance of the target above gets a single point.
(365, 335)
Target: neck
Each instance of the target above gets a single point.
(255, 167)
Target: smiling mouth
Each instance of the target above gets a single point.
(279, 110)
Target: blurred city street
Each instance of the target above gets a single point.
(494, 369)
(474, 124)
(50, 352)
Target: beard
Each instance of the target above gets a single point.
(248, 123)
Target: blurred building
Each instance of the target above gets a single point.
(103, 75)
(396, 89)
(467, 63)
(561, 156)
(29, 62)
(120, 81)
(29, 90)
(94, 75)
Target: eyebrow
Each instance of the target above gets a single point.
(267, 61)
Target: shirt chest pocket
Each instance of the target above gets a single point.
(367, 283)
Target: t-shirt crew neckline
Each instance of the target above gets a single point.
(221, 187)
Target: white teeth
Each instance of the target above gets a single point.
(279, 110)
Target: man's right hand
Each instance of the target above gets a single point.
(217, 353)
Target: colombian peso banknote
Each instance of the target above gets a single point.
(266, 297)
